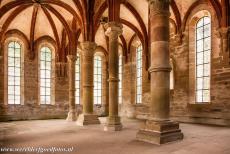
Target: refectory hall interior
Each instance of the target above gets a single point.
(115, 76)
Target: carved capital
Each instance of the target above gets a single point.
(113, 29)
(88, 48)
(61, 72)
(71, 58)
(159, 7)
(224, 32)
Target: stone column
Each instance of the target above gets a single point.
(158, 128)
(106, 103)
(72, 116)
(88, 117)
(113, 30)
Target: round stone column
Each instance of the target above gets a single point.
(71, 73)
(158, 128)
(113, 30)
(88, 117)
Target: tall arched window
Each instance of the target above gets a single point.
(203, 54)
(139, 74)
(120, 78)
(14, 73)
(77, 80)
(45, 75)
(97, 80)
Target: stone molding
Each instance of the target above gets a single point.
(160, 69)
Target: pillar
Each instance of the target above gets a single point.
(113, 121)
(72, 116)
(159, 129)
(87, 117)
(106, 103)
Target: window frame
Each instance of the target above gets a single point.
(20, 70)
(203, 59)
(139, 94)
(51, 69)
(78, 64)
(94, 82)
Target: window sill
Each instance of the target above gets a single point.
(199, 107)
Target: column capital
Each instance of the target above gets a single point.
(159, 7)
(71, 58)
(113, 28)
(87, 45)
(223, 32)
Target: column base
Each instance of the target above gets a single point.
(87, 119)
(160, 132)
(113, 124)
(72, 116)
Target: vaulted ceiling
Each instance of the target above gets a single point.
(58, 18)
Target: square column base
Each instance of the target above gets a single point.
(113, 124)
(72, 116)
(160, 132)
(87, 119)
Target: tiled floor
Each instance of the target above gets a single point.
(198, 139)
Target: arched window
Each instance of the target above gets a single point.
(97, 80)
(203, 54)
(45, 75)
(14, 73)
(139, 74)
(120, 78)
(77, 80)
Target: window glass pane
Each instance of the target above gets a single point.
(11, 90)
(207, 30)
(207, 56)
(11, 71)
(206, 20)
(10, 61)
(199, 96)
(17, 62)
(17, 81)
(17, 46)
(206, 96)
(18, 53)
(199, 85)
(200, 46)
(17, 100)
(11, 52)
(206, 82)
(206, 70)
(199, 71)
(207, 44)
(199, 58)
(200, 22)
(200, 33)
